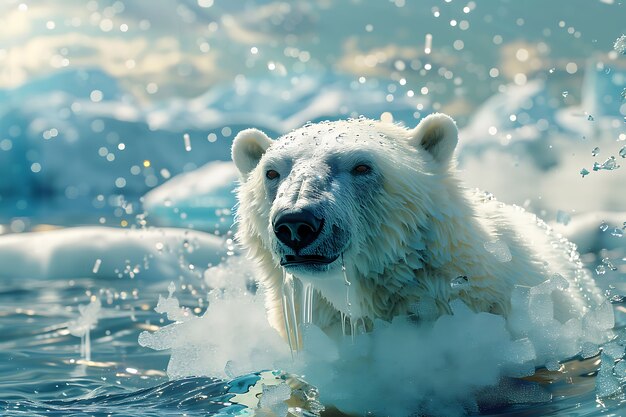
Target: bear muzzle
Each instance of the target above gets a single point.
(297, 229)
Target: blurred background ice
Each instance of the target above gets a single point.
(96, 97)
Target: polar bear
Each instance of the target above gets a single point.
(373, 218)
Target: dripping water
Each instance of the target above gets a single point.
(307, 303)
(289, 312)
(348, 304)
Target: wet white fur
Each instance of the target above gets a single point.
(423, 231)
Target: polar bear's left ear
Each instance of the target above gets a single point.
(438, 135)
(248, 148)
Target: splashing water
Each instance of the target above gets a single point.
(171, 307)
(620, 45)
(608, 165)
(82, 326)
(609, 264)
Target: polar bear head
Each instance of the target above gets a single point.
(358, 194)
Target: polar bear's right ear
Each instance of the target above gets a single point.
(248, 148)
(437, 134)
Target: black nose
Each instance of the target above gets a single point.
(297, 229)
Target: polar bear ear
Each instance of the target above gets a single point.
(438, 135)
(248, 148)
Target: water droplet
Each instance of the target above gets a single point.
(595, 151)
(551, 70)
(459, 282)
(600, 270)
(622, 152)
(584, 172)
(604, 226)
(609, 264)
(96, 266)
(609, 165)
(620, 45)
(617, 299)
(590, 118)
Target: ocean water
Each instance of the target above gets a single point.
(43, 373)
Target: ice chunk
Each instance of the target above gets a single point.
(614, 350)
(606, 383)
(555, 282)
(553, 365)
(69, 253)
(619, 370)
(273, 399)
(499, 250)
(589, 350)
(595, 151)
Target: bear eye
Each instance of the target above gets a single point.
(361, 169)
(272, 174)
